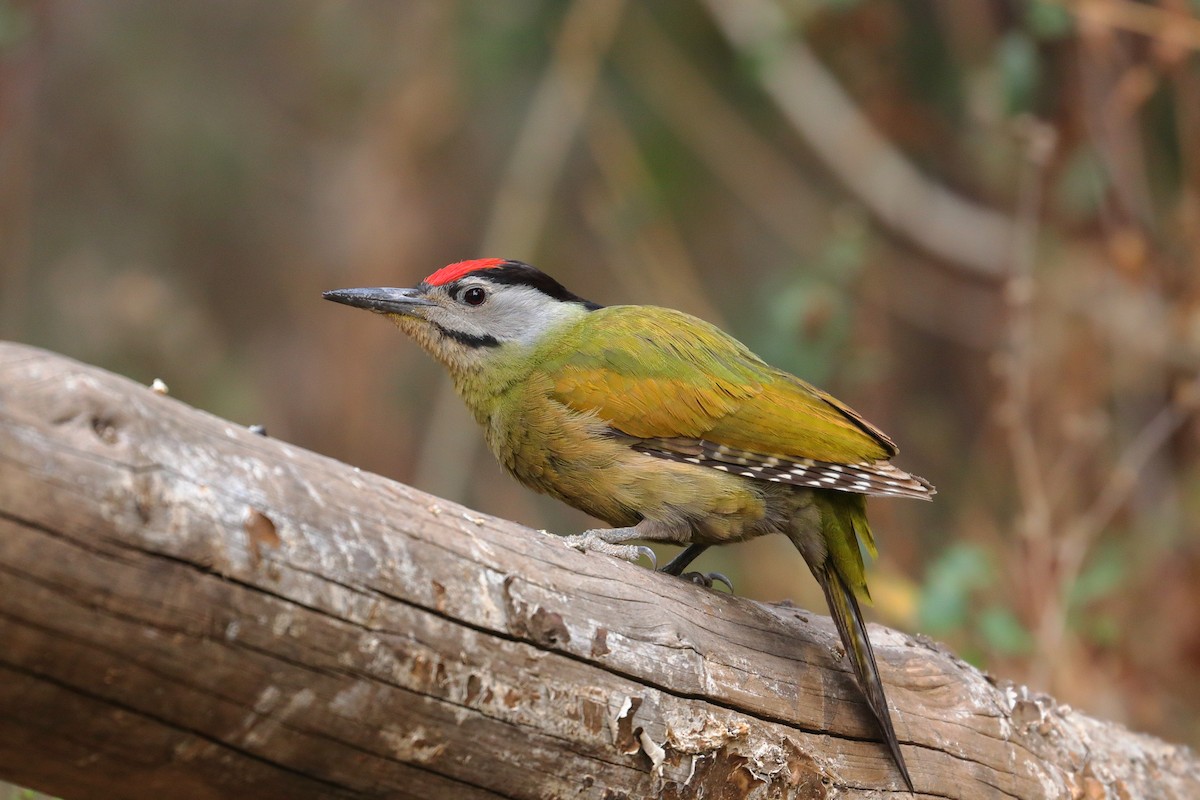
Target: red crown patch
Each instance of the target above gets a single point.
(453, 272)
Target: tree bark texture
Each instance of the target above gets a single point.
(190, 610)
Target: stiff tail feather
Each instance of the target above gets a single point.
(853, 630)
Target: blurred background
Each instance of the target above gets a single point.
(976, 221)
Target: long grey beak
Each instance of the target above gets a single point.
(388, 301)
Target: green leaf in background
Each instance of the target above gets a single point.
(809, 316)
(15, 25)
(945, 601)
(1104, 573)
(1048, 21)
(1103, 629)
(1003, 632)
(836, 5)
(1081, 184)
(10, 791)
(1020, 72)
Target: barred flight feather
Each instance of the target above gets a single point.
(868, 477)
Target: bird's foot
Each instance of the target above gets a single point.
(708, 579)
(679, 563)
(611, 542)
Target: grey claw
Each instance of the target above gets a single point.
(707, 579)
(717, 577)
(649, 554)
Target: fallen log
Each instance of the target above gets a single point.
(190, 610)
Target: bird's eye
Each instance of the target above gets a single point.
(474, 296)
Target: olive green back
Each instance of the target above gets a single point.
(655, 373)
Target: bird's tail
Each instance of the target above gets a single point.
(843, 526)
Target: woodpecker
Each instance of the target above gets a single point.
(661, 425)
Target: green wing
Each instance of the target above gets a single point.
(658, 374)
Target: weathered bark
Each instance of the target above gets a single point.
(193, 611)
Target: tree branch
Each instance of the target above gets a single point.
(190, 609)
(947, 225)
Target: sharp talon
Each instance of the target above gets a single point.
(717, 577)
(649, 554)
(707, 579)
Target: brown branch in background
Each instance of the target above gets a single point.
(939, 302)
(1018, 363)
(1149, 20)
(556, 112)
(1054, 557)
(1149, 441)
(1016, 369)
(1081, 533)
(1113, 89)
(520, 208)
(1185, 86)
(763, 179)
(660, 270)
(930, 216)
